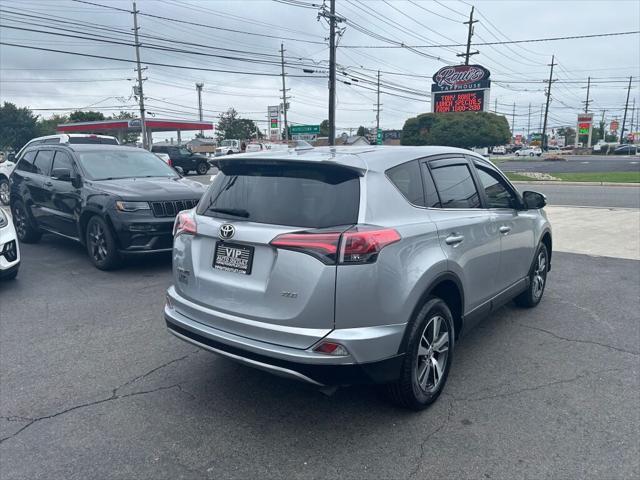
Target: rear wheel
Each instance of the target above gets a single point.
(202, 168)
(26, 228)
(101, 245)
(427, 359)
(537, 280)
(4, 191)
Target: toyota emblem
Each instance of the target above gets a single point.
(227, 231)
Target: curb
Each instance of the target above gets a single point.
(585, 184)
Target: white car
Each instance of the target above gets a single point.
(228, 147)
(255, 147)
(529, 152)
(499, 150)
(6, 167)
(9, 249)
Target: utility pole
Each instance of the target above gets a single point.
(468, 53)
(145, 140)
(378, 107)
(284, 96)
(199, 90)
(633, 112)
(529, 123)
(513, 122)
(626, 107)
(540, 122)
(495, 105)
(587, 101)
(546, 109)
(332, 73)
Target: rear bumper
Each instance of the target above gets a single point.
(373, 351)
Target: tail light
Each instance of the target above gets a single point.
(185, 223)
(170, 162)
(360, 244)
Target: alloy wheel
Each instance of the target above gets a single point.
(98, 242)
(20, 222)
(539, 275)
(4, 193)
(432, 354)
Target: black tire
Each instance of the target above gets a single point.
(10, 276)
(26, 227)
(202, 168)
(4, 191)
(185, 172)
(537, 280)
(101, 245)
(230, 152)
(531, 154)
(408, 391)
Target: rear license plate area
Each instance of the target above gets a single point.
(231, 257)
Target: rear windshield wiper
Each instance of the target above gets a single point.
(236, 212)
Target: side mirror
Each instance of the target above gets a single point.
(534, 200)
(63, 174)
(179, 170)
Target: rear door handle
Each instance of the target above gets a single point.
(454, 239)
(504, 229)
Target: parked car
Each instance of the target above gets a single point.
(529, 152)
(9, 248)
(553, 148)
(626, 149)
(117, 201)
(185, 159)
(344, 265)
(6, 167)
(499, 150)
(255, 147)
(71, 138)
(228, 147)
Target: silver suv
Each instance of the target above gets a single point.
(345, 265)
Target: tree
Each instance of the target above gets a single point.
(362, 131)
(48, 126)
(17, 126)
(569, 135)
(131, 137)
(324, 128)
(230, 126)
(458, 129)
(88, 116)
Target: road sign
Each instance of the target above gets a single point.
(614, 126)
(307, 137)
(379, 137)
(305, 129)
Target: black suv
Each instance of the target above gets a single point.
(182, 157)
(114, 200)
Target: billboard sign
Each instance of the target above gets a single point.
(461, 77)
(614, 126)
(585, 125)
(274, 122)
(445, 102)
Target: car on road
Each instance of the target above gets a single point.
(499, 150)
(9, 248)
(344, 265)
(529, 152)
(184, 158)
(228, 147)
(626, 150)
(6, 167)
(117, 201)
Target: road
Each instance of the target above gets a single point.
(573, 163)
(586, 195)
(94, 387)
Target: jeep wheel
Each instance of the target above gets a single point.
(4, 191)
(428, 357)
(101, 245)
(202, 168)
(26, 229)
(537, 280)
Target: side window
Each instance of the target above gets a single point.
(498, 195)
(42, 163)
(455, 187)
(406, 178)
(26, 162)
(62, 160)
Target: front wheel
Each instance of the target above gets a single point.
(517, 154)
(4, 191)
(428, 357)
(531, 154)
(537, 280)
(202, 168)
(101, 245)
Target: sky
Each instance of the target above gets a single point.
(244, 36)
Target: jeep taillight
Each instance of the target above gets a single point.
(360, 244)
(185, 223)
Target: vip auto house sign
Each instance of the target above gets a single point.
(460, 88)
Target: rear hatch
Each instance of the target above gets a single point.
(255, 289)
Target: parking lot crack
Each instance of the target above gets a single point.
(576, 340)
(152, 371)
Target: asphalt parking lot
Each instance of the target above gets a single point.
(92, 386)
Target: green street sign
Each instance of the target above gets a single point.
(379, 137)
(305, 129)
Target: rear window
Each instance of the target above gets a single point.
(93, 140)
(297, 196)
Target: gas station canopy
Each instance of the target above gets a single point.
(121, 127)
